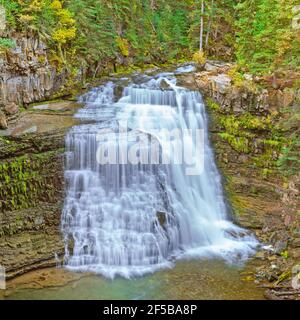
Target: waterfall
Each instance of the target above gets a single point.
(129, 218)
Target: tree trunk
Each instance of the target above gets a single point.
(153, 5)
(209, 23)
(201, 25)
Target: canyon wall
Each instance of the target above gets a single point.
(31, 195)
(26, 76)
(251, 127)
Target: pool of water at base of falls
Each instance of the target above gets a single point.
(193, 280)
(126, 218)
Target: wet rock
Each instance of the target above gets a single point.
(221, 83)
(30, 234)
(210, 67)
(216, 66)
(186, 81)
(248, 77)
(27, 75)
(243, 158)
(260, 255)
(3, 122)
(60, 106)
(296, 282)
(256, 204)
(152, 70)
(11, 108)
(280, 246)
(296, 243)
(162, 218)
(288, 220)
(240, 234)
(164, 85)
(272, 258)
(39, 221)
(296, 269)
(285, 98)
(271, 277)
(296, 254)
(32, 129)
(118, 91)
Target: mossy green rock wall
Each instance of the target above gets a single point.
(31, 195)
(254, 131)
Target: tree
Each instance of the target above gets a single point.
(209, 23)
(201, 25)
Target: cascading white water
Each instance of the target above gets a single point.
(130, 219)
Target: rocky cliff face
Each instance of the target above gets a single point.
(245, 131)
(31, 181)
(26, 76)
(32, 189)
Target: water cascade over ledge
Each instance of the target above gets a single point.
(128, 219)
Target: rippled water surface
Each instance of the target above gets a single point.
(209, 280)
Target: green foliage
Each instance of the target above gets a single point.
(65, 29)
(12, 9)
(218, 26)
(254, 135)
(285, 254)
(123, 46)
(24, 181)
(240, 144)
(142, 31)
(48, 18)
(199, 58)
(265, 37)
(7, 43)
(93, 34)
(212, 105)
(289, 160)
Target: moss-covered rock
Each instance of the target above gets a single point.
(255, 135)
(32, 192)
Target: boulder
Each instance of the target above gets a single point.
(296, 243)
